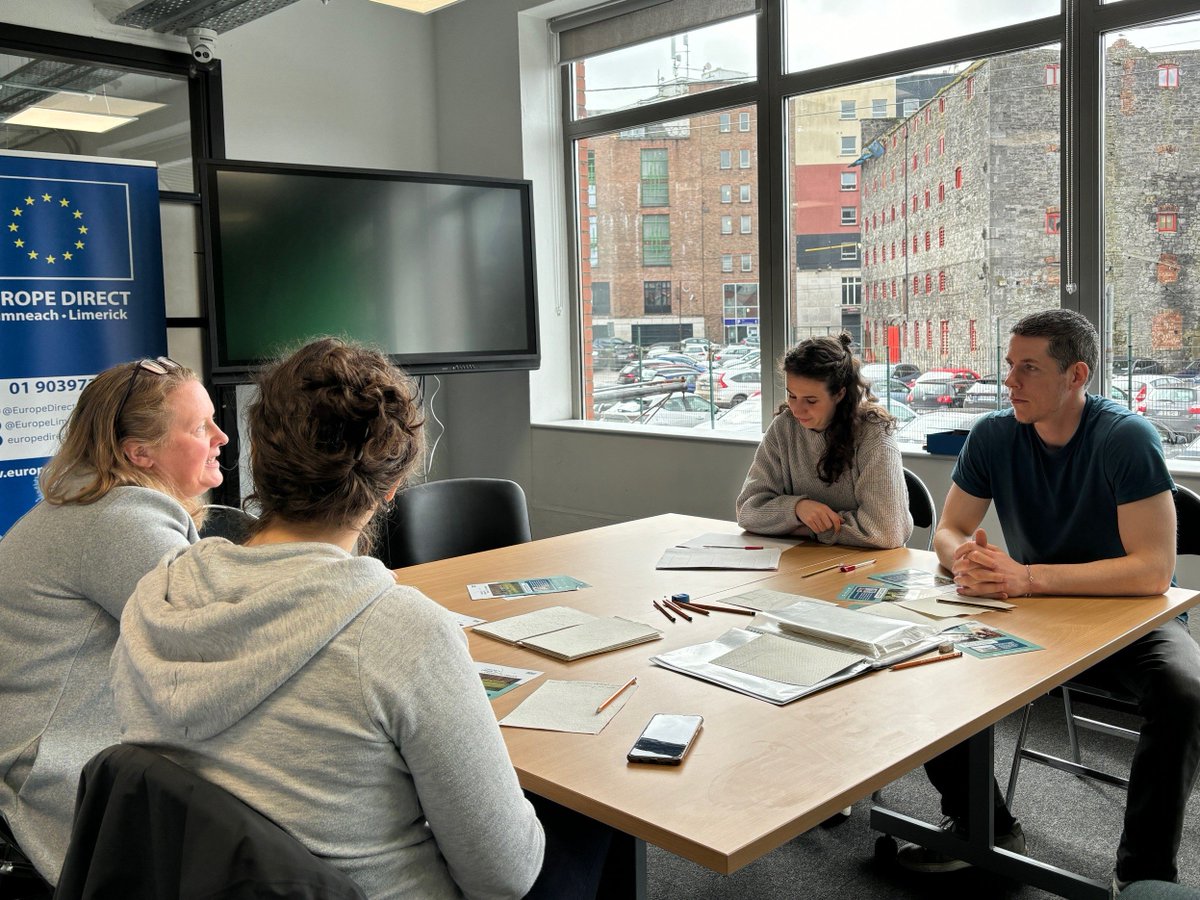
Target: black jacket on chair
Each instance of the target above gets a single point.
(147, 829)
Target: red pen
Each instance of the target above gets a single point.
(850, 567)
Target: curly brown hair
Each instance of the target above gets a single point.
(830, 361)
(334, 429)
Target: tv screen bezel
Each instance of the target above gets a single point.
(444, 363)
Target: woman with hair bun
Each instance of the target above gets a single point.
(304, 680)
(829, 468)
(136, 454)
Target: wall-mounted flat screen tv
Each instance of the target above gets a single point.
(435, 270)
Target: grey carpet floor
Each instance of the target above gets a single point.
(1070, 822)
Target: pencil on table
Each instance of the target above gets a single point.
(667, 603)
(681, 606)
(926, 660)
(741, 612)
(663, 611)
(615, 694)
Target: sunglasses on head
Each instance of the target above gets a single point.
(158, 366)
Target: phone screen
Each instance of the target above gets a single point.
(666, 739)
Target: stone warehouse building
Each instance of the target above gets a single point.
(961, 221)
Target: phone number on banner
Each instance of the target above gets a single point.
(33, 410)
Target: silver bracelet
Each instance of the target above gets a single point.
(1029, 574)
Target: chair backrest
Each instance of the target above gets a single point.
(147, 829)
(921, 505)
(1187, 521)
(228, 522)
(440, 519)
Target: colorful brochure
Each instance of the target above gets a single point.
(527, 588)
(984, 641)
(913, 578)
(499, 680)
(871, 593)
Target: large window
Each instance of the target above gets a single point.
(654, 177)
(921, 208)
(656, 240)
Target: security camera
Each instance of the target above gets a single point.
(201, 41)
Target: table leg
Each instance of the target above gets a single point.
(979, 847)
(624, 872)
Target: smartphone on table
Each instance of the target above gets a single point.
(666, 739)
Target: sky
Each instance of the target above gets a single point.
(816, 37)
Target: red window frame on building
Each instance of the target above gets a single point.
(941, 192)
(970, 95)
(1168, 75)
(941, 145)
(941, 235)
(928, 241)
(929, 334)
(973, 341)
(945, 337)
(927, 198)
(942, 285)
(916, 285)
(914, 250)
(958, 177)
(1053, 221)
(1167, 219)
(941, 104)
(1052, 74)
(928, 283)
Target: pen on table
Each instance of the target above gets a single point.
(663, 611)
(669, 605)
(850, 567)
(692, 604)
(819, 571)
(926, 660)
(617, 693)
(728, 547)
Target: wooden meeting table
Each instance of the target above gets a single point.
(759, 774)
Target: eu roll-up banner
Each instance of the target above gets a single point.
(81, 289)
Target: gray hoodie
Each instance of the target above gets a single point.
(339, 704)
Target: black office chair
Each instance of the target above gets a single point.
(440, 519)
(147, 829)
(19, 880)
(1187, 541)
(228, 522)
(920, 505)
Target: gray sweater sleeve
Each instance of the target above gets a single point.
(870, 497)
(436, 710)
(881, 518)
(767, 502)
(134, 527)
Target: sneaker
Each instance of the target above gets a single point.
(922, 859)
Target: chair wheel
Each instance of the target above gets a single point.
(886, 848)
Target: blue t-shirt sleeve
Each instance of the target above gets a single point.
(1134, 461)
(972, 471)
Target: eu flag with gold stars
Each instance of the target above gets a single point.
(64, 229)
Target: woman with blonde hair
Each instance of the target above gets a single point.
(304, 680)
(829, 466)
(136, 453)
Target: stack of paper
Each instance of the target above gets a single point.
(568, 634)
(713, 557)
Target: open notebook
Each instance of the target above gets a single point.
(792, 651)
(565, 633)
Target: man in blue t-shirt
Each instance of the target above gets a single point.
(1085, 502)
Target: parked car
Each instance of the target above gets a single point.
(744, 419)
(986, 394)
(917, 429)
(896, 391)
(1176, 407)
(1137, 366)
(649, 369)
(1190, 372)
(612, 352)
(660, 349)
(939, 390)
(735, 352)
(730, 386)
(682, 359)
(677, 410)
(1131, 390)
(900, 412)
(906, 372)
(696, 346)
(966, 374)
